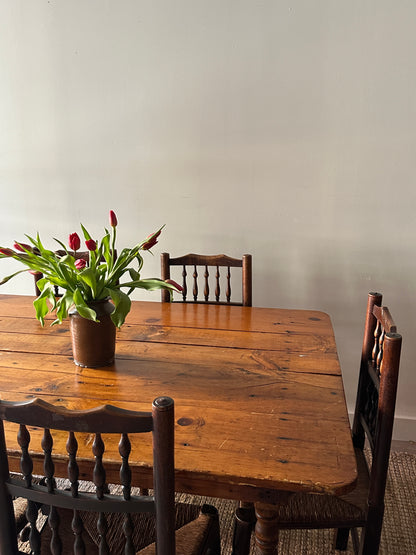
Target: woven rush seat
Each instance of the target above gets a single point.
(192, 520)
(194, 536)
(19, 507)
(321, 511)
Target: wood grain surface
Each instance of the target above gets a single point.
(258, 392)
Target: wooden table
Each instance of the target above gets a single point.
(260, 407)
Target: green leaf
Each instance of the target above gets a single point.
(88, 277)
(122, 305)
(41, 305)
(63, 305)
(69, 275)
(64, 247)
(68, 260)
(149, 284)
(6, 279)
(135, 276)
(85, 232)
(82, 307)
(140, 261)
(105, 248)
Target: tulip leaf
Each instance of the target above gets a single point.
(64, 247)
(41, 305)
(6, 279)
(88, 277)
(82, 307)
(63, 305)
(122, 305)
(135, 276)
(69, 260)
(86, 234)
(148, 284)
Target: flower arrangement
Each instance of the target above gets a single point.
(84, 281)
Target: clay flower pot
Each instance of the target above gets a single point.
(93, 343)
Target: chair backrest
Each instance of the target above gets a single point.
(198, 267)
(105, 419)
(376, 396)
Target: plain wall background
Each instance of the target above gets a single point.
(281, 128)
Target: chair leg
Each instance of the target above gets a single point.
(341, 540)
(371, 533)
(214, 539)
(355, 540)
(244, 521)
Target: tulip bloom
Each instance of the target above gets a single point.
(113, 219)
(7, 252)
(74, 241)
(152, 240)
(175, 284)
(22, 247)
(80, 264)
(91, 245)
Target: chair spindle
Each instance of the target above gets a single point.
(217, 285)
(206, 288)
(184, 285)
(195, 286)
(73, 470)
(228, 292)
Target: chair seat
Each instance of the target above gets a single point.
(305, 510)
(195, 537)
(19, 507)
(66, 535)
(195, 523)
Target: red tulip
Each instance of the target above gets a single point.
(80, 264)
(152, 240)
(74, 241)
(113, 219)
(175, 284)
(7, 252)
(22, 247)
(91, 245)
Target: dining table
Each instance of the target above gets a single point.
(260, 410)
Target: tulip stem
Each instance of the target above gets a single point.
(113, 246)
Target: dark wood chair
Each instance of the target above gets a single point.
(198, 266)
(373, 419)
(99, 522)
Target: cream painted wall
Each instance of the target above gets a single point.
(296, 116)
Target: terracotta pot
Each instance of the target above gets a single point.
(93, 343)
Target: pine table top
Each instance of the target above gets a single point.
(259, 399)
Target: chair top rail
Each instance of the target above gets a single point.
(202, 260)
(382, 314)
(103, 419)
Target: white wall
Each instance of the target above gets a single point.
(296, 117)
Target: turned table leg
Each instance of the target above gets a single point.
(266, 528)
